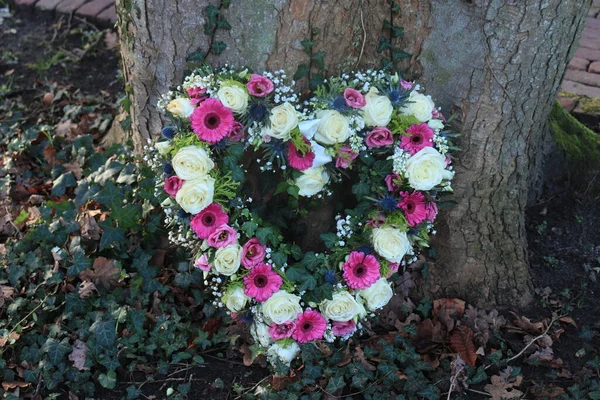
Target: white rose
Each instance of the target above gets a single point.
(342, 307)
(234, 97)
(284, 118)
(436, 124)
(312, 181)
(285, 351)
(333, 127)
(260, 333)
(197, 194)
(427, 169)
(378, 110)
(377, 295)
(362, 311)
(390, 243)
(162, 147)
(281, 307)
(234, 299)
(227, 259)
(419, 105)
(180, 107)
(192, 162)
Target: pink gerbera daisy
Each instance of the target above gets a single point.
(262, 282)
(222, 236)
(419, 137)
(208, 220)
(297, 159)
(343, 328)
(212, 121)
(414, 207)
(361, 270)
(310, 325)
(282, 331)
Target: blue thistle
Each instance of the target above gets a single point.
(168, 168)
(388, 203)
(257, 111)
(339, 104)
(279, 148)
(394, 96)
(182, 214)
(168, 132)
(413, 232)
(366, 250)
(220, 145)
(247, 318)
(330, 277)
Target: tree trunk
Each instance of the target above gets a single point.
(496, 63)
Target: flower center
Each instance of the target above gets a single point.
(212, 120)
(306, 326)
(410, 206)
(360, 270)
(260, 281)
(208, 219)
(417, 139)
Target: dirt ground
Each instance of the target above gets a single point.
(563, 228)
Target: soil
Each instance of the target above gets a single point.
(563, 228)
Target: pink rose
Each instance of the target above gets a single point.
(406, 85)
(253, 252)
(345, 157)
(393, 269)
(202, 263)
(343, 328)
(172, 185)
(436, 114)
(432, 211)
(223, 236)
(379, 137)
(354, 98)
(391, 182)
(259, 86)
(197, 94)
(282, 331)
(237, 133)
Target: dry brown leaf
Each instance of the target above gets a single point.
(454, 308)
(568, 320)
(13, 385)
(504, 386)
(461, 342)
(50, 155)
(525, 324)
(63, 128)
(75, 168)
(103, 273)
(545, 357)
(86, 288)
(90, 228)
(48, 99)
(6, 292)
(12, 337)
(430, 331)
(78, 355)
(360, 355)
(546, 391)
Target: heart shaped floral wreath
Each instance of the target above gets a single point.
(371, 122)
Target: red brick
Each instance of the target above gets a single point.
(593, 12)
(579, 63)
(593, 23)
(594, 67)
(569, 103)
(588, 54)
(590, 43)
(94, 8)
(580, 89)
(25, 3)
(583, 77)
(47, 5)
(110, 15)
(69, 6)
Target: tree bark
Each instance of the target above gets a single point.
(496, 63)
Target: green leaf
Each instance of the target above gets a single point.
(296, 273)
(110, 196)
(57, 350)
(60, 184)
(319, 59)
(22, 217)
(218, 47)
(196, 56)
(111, 235)
(361, 189)
(331, 240)
(310, 261)
(479, 376)
(308, 283)
(335, 383)
(80, 262)
(307, 44)
(293, 191)
(398, 54)
(104, 331)
(302, 71)
(383, 44)
(265, 233)
(108, 380)
(249, 228)
(278, 258)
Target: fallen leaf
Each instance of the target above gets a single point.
(63, 128)
(13, 385)
(525, 324)
(545, 357)
(78, 355)
(86, 288)
(568, 320)
(504, 386)
(455, 308)
(75, 168)
(90, 228)
(12, 337)
(461, 342)
(50, 155)
(48, 99)
(360, 355)
(103, 272)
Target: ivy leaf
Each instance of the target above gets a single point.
(110, 196)
(296, 274)
(104, 331)
(398, 54)
(319, 59)
(335, 383)
(383, 44)
(218, 47)
(310, 261)
(265, 233)
(249, 228)
(80, 262)
(57, 350)
(293, 191)
(361, 189)
(196, 56)
(278, 258)
(110, 235)
(480, 376)
(301, 72)
(108, 380)
(330, 239)
(60, 184)
(307, 44)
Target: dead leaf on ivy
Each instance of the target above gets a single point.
(75, 168)
(568, 320)
(103, 272)
(359, 354)
(461, 342)
(454, 308)
(50, 155)
(546, 358)
(12, 337)
(78, 355)
(546, 391)
(86, 288)
(525, 324)
(504, 386)
(13, 385)
(90, 228)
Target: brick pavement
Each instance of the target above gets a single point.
(581, 84)
(98, 11)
